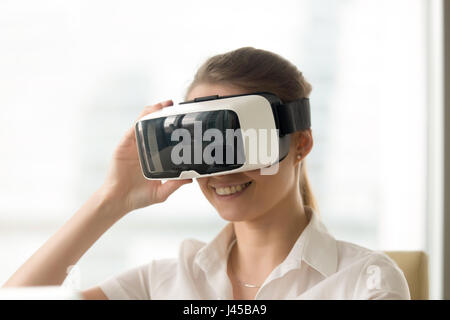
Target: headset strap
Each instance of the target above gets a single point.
(294, 116)
(290, 117)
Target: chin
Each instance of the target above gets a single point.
(233, 215)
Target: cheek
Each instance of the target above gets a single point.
(203, 184)
(271, 188)
(267, 187)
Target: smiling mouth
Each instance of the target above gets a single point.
(226, 191)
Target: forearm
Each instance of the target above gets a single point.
(48, 265)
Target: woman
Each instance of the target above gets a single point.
(274, 247)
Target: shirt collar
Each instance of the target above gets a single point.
(315, 246)
(320, 248)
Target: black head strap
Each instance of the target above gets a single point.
(294, 116)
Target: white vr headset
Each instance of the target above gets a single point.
(216, 135)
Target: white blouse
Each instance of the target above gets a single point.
(317, 267)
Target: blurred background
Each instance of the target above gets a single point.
(74, 75)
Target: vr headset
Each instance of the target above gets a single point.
(216, 135)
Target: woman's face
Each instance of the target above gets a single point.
(252, 194)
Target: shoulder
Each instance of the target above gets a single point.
(145, 281)
(169, 268)
(376, 275)
(350, 255)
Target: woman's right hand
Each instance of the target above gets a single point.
(125, 181)
(123, 190)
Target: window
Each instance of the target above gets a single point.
(76, 74)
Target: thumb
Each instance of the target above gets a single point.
(168, 187)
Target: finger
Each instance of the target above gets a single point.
(129, 135)
(167, 188)
(155, 107)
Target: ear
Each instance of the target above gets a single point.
(303, 143)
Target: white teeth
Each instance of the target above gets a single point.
(232, 189)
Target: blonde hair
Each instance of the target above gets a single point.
(259, 70)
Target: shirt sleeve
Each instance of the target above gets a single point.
(381, 279)
(130, 285)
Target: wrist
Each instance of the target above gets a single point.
(110, 203)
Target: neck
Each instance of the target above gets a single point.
(263, 243)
